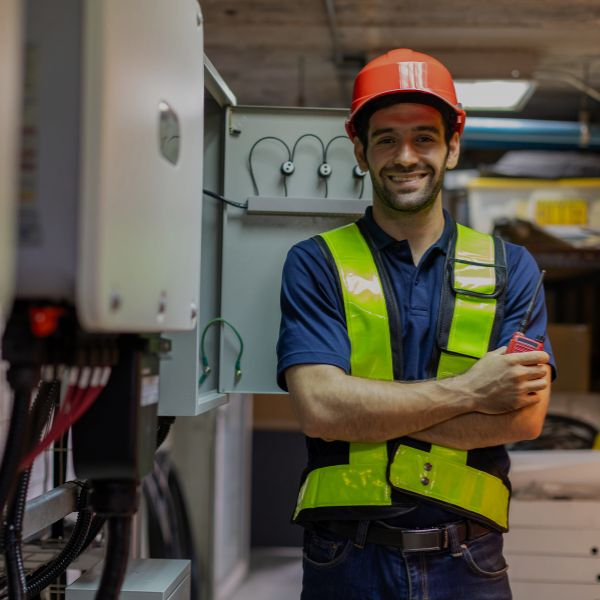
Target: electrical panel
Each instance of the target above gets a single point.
(114, 208)
(292, 174)
(10, 83)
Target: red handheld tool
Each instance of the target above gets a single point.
(519, 341)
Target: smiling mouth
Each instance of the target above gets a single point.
(407, 178)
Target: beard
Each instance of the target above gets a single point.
(409, 201)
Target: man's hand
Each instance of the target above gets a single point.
(500, 382)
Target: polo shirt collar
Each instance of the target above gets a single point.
(381, 239)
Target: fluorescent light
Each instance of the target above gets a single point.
(497, 94)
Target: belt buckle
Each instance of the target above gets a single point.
(440, 532)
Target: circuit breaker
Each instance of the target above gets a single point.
(113, 186)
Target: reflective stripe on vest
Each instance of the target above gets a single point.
(441, 474)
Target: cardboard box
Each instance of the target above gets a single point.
(274, 412)
(571, 345)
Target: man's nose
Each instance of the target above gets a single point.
(405, 155)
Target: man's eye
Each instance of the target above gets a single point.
(424, 139)
(386, 140)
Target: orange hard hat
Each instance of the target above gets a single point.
(399, 71)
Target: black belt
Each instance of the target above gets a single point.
(409, 540)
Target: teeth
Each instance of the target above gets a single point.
(398, 179)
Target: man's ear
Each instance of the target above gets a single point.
(359, 153)
(453, 151)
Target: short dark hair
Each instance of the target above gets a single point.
(361, 120)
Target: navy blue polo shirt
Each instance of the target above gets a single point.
(313, 327)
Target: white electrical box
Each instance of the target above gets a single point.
(115, 115)
(146, 579)
(141, 185)
(10, 93)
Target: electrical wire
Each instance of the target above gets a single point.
(16, 583)
(45, 575)
(163, 429)
(306, 135)
(13, 540)
(343, 137)
(223, 199)
(323, 154)
(268, 137)
(78, 400)
(204, 359)
(337, 137)
(22, 381)
(116, 557)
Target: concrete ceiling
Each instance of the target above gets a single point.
(307, 52)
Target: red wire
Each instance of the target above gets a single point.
(78, 400)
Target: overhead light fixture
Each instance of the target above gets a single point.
(494, 94)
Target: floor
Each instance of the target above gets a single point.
(275, 574)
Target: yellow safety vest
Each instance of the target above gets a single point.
(476, 270)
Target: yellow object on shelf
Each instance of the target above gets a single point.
(564, 211)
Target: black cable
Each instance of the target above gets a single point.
(116, 558)
(337, 137)
(96, 526)
(323, 153)
(15, 580)
(305, 135)
(22, 381)
(45, 575)
(362, 188)
(13, 538)
(223, 199)
(268, 137)
(163, 429)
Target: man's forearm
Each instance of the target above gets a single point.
(477, 430)
(333, 405)
(337, 406)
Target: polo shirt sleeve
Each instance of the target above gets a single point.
(313, 324)
(523, 275)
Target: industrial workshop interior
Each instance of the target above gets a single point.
(158, 161)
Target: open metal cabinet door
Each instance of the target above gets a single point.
(293, 171)
(185, 388)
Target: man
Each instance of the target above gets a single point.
(393, 347)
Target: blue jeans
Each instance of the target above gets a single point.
(337, 569)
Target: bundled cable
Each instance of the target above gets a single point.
(41, 410)
(12, 542)
(22, 381)
(84, 388)
(79, 540)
